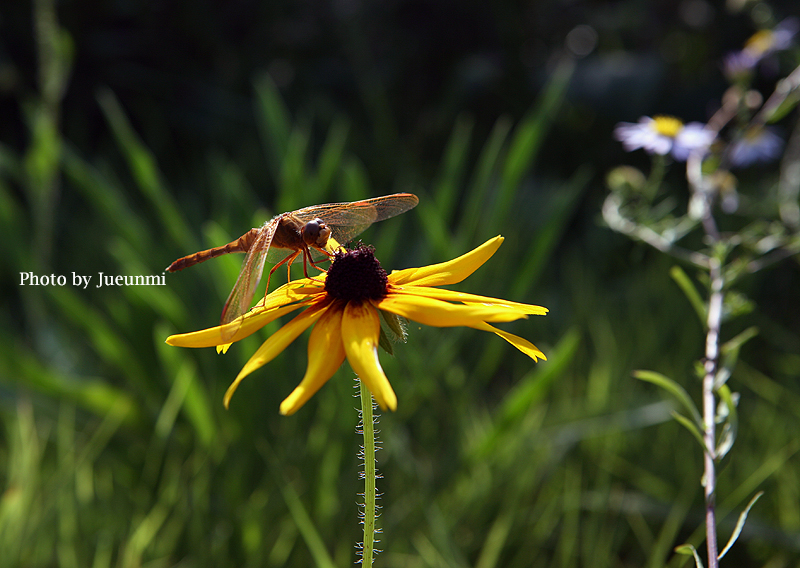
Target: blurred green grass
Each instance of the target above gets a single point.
(116, 450)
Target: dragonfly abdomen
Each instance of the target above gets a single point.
(242, 244)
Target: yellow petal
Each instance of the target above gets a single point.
(276, 343)
(437, 313)
(285, 299)
(522, 344)
(452, 296)
(360, 331)
(295, 291)
(448, 272)
(325, 356)
(333, 245)
(222, 335)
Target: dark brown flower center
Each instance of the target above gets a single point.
(356, 275)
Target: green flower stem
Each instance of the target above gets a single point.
(657, 171)
(368, 429)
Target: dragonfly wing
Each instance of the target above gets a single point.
(348, 220)
(243, 291)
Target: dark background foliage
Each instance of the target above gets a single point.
(183, 124)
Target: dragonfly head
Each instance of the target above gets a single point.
(316, 233)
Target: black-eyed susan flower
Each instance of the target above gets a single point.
(343, 306)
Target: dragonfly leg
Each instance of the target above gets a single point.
(288, 261)
(314, 264)
(307, 258)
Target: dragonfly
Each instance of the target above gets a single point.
(286, 236)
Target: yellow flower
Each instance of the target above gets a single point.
(344, 305)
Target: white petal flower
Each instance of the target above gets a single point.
(663, 135)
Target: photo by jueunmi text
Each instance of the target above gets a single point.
(81, 281)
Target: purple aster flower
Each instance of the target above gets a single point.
(764, 42)
(664, 135)
(760, 45)
(756, 144)
(739, 65)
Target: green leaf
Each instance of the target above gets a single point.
(397, 326)
(736, 304)
(731, 427)
(690, 291)
(384, 343)
(674, 389)
(740, 524)
(690, 426)
(733, 345)
(730, 355)
(689, 550)
(394, 329)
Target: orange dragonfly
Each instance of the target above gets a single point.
(288, 235)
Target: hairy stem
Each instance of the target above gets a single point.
(368, 430)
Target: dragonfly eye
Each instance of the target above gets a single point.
(316, 233)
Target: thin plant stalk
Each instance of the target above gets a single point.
(703, 195)
(368, 453)
(714, 322)
(655, 224)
